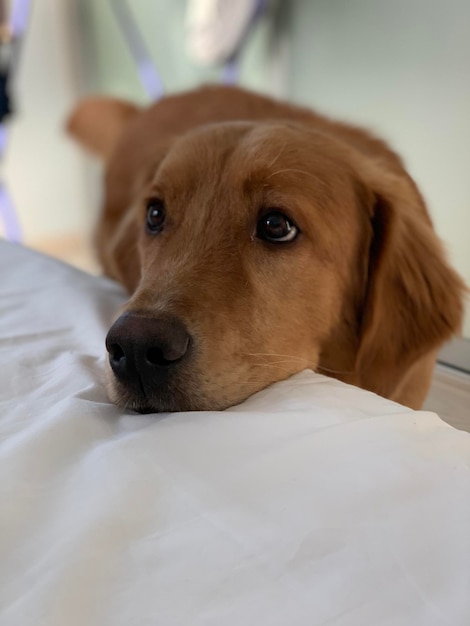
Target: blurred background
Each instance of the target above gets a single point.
(398, 68)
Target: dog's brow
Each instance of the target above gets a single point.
(291, 169)
(275, 158)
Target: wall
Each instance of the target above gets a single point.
(402, 69)
(43, 170)
(110, 67)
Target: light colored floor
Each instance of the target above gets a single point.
(449, 396)
(74, 249)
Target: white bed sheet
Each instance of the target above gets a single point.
(313, 503)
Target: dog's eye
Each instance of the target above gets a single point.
(276, 228)
(155, 215)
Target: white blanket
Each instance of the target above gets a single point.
(313, 503)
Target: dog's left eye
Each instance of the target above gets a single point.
(155, 215)
(276, 228)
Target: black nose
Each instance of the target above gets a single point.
(142, 350)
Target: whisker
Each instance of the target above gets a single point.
(274, 363)
(276, 157)
(327, 369)
(292, 169)
(318, 368)
(285, 356)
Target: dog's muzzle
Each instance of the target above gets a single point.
(145, 351)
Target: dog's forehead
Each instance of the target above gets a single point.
(234, 170)
(205, 157)
(222, 144)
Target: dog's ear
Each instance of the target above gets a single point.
(97, 123)
(414, 299)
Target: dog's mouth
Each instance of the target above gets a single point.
(169, 397)
(165, 403)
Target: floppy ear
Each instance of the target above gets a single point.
(414, 299)
(97, 123)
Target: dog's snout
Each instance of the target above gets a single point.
(143, 349)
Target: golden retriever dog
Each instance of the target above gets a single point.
(257, 239)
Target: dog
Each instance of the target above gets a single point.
(258, 239)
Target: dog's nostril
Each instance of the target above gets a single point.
(154, 356)
(116, 353)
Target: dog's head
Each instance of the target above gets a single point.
(254, 250)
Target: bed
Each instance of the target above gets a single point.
(312, 503)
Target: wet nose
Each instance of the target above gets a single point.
(142, 350)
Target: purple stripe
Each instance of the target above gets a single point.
(150, 79)
(231, 72)
(146, 68)
(19, 17)
(11, 224)
(231, 69)
(3, 139)
(20, 11)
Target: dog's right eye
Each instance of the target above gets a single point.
(275, 227)
(155, 215)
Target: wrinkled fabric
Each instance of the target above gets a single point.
(312, 503)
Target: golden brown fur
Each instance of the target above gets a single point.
(364, 294)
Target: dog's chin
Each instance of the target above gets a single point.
(171, 399)
(168, 401)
